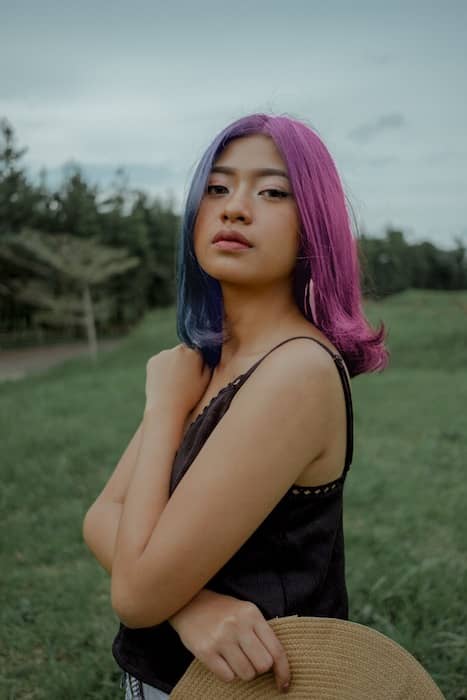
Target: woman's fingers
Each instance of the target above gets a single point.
(256, 651)
(281, 667)
(219, 667)
(242, 663)
(244, 657)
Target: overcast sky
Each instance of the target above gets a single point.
(146, 85)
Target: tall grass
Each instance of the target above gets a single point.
(406, 531)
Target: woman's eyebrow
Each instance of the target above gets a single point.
(255, 171)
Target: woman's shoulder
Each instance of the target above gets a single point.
(295, 357)
(315, 357)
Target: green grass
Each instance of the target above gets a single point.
(406, 530)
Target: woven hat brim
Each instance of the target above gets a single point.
(330, 659)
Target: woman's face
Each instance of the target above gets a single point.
(259, 205)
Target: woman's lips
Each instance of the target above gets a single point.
(231, 245)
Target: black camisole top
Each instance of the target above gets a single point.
(292, 564)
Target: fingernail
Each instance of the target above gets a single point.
(285, 687)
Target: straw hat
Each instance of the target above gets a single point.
(330, 659)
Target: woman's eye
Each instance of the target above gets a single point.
(215, 187)
(275, 194)
(279, 194)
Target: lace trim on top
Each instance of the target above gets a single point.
(208, 405)
(322, 489)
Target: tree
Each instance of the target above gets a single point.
(76, 205)
(162, 225)
(17, 196)
(119, 226)
(66, 270)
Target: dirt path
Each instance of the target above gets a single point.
(16, 364)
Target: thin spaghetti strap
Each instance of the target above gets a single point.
(345, 384)
(253, 367)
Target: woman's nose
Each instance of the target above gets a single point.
(237, 206)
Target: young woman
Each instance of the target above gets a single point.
(225, 509)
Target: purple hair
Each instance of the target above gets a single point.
(327, 273)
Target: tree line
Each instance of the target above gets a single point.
(77, 261)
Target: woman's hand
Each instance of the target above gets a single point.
(231, 637)
(176, 377)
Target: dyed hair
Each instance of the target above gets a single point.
(326, 278)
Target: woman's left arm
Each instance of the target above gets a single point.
(274, 427)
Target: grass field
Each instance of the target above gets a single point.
(405, 509)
